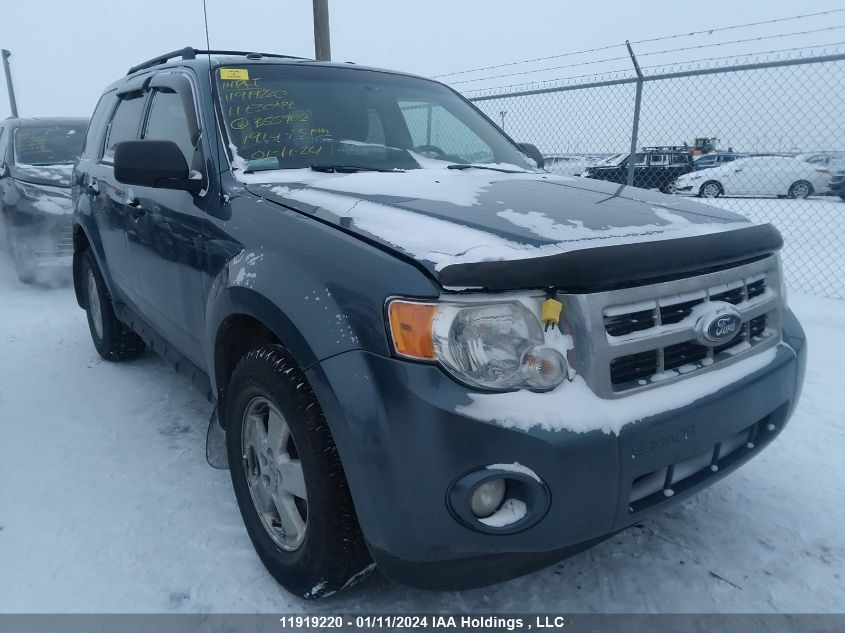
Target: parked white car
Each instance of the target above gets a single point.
(756, 176)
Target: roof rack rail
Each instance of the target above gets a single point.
(191, 53)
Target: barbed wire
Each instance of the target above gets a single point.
(648, 53)
(645, 41)
(618, 73)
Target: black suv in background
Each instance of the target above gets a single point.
(654, 168)
(426, 352)
(36, 161)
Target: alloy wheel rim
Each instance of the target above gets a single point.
(801, 190)
(711, 191)
(274, 474)
(94, 304)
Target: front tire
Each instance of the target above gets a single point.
(288, 479)
(113, 340)
(711, 189)
(800, 190)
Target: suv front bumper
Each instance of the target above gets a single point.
(403, 447)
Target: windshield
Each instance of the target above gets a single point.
(48, 145)
(285, 116)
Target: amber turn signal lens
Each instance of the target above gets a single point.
(410, 325)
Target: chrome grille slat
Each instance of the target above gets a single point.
(619, 352)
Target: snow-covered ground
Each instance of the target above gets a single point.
(107, 503)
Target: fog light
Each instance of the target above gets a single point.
(544, 367)
(487, 498)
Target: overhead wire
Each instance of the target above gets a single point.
(648, 53)
(647, 40)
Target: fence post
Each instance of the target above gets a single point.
(13, 105)
(636, 126)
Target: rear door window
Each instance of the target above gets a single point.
(680, 159)
(125, 123)
(659, 160)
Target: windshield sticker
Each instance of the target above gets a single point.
(235, 74)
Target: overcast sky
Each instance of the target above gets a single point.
(65, 53)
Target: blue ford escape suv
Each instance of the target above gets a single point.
(427, 353)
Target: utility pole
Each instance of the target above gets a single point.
(322, 39)
(12, 103)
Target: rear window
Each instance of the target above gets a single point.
(49, 144)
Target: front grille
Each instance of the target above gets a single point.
(653, 339)
(633, 367)
(677, 311)
(63, 240)
(623, 324)
(683, 354)
(735, 296)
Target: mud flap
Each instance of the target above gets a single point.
(215, 444)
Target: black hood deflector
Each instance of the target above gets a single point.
(604, 268)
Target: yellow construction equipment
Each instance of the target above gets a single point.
(704, 145)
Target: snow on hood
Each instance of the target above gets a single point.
(56, 175)
(443, 217)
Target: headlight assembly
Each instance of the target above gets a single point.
(497, 346)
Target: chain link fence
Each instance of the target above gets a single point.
(762, 138)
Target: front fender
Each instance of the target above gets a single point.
(319, 290)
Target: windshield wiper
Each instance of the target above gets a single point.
(490, 167)
(351, 169)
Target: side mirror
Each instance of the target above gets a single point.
(153, 164)
(534, 153)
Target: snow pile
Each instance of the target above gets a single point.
(516, 467)
(511, 511)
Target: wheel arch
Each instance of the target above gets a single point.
(806, 181)
(247, 320)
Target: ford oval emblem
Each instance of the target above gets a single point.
(719, 325)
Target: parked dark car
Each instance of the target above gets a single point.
(716, 159)
(654, 168)
(837, 184)
(425, 352)
(36, 159)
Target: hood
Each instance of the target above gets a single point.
(53, 175)
(462, 224)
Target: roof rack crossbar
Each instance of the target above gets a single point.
(191, 53)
